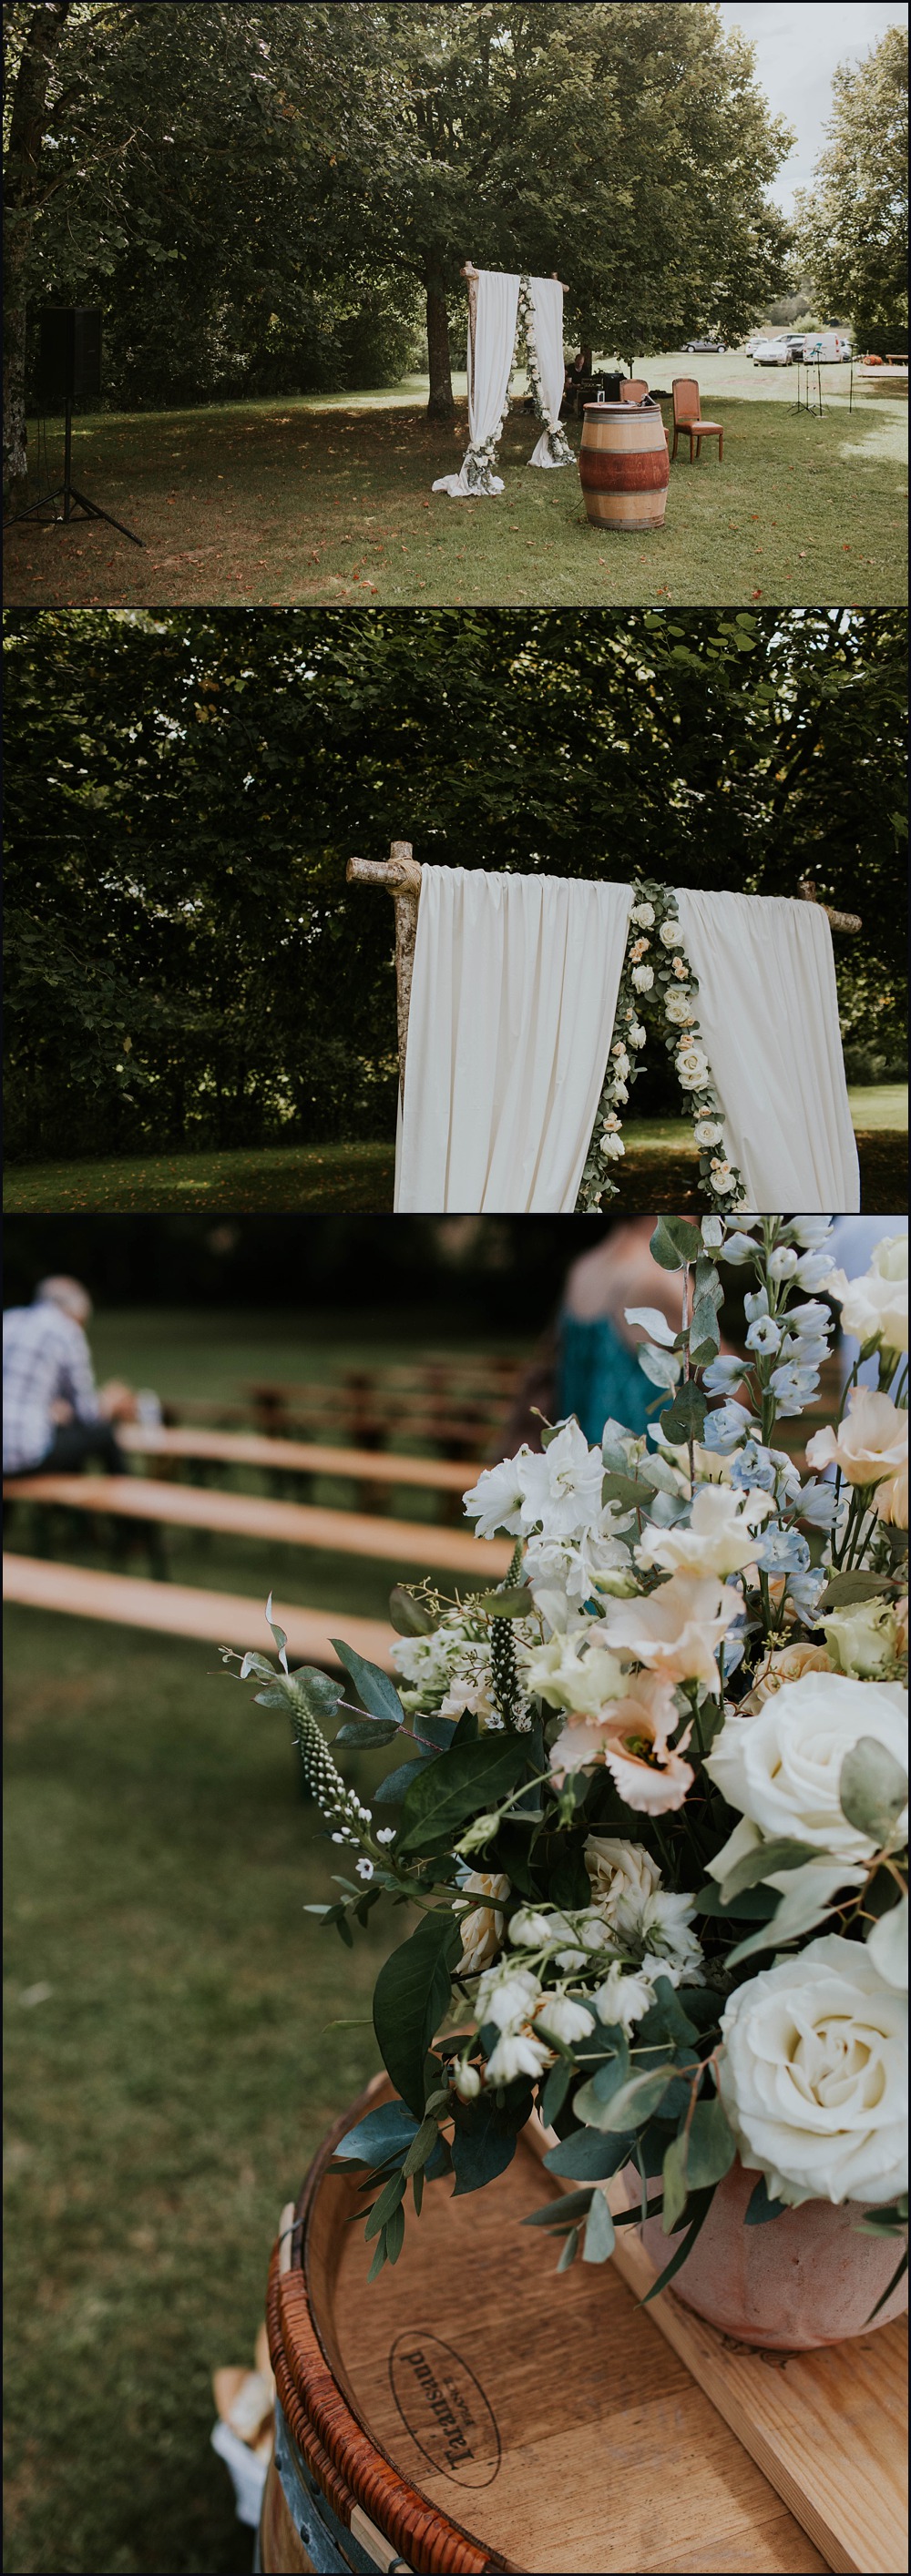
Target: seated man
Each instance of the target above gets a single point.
(53, 1415)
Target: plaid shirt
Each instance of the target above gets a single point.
(45, 1358)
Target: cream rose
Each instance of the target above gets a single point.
(482, 1925)
(676, 1630)
(786, 1665)
(813, 2076)
(782, 1767)
(870, 1444)
(862, 1638)
(623, 1877)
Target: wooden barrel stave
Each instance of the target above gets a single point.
(585, 2393)
(623, 467)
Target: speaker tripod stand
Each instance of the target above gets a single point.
(75, 503)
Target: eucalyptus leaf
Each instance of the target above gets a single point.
(872, 1789)
(675, 2184)
(362, 1731)
(629, 2107)
(685, 1418)
(675, 1243)
(757, 1865)
(514, 1602)
(383, 2133)
(375, 1688)
(566, 2207)
(712, 2146)
(599, 2239)
(586, 2156)
(409, 1617)
(482, 2145)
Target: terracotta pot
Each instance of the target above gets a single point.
(803, 2279)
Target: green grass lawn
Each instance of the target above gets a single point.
(325, 500)
(658, 1172)
(171, 2068)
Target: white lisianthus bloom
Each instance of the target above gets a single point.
(675, 1631)
(624, 1997)
(670, 933)
(708, 1132)
(481, 1925)
(562, 1487)
(887, 1946)
(567, 1679)
(870, 1445)
(719, 1538)
(813, 2076)
(569, 2021)
(495, 1502)
(782, 1768)
(643, 978)
(692, 1068)
(643, 915)
(623, 1876)
(875, 1308)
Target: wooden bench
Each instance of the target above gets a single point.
(311, 1458)
(179, 1610)
(140, 1498)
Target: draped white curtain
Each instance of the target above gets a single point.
(512, 1009)
(547, 297)
(488, 379)
(768, 1012)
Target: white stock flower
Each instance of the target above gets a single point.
(875, 1308)
(719, 1538)
(561, 1488)
(813, 2076)
(781, 1768)
(467, 2083)
(507, 1995)
(530, 1930)
(495, 1502)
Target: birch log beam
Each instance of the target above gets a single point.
(400, 875)
(849, 923)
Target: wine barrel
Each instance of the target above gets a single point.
(469, 2412)
(623, 466)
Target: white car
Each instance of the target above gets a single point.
(773, 353)
(754, 343)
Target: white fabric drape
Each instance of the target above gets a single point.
(488, 379)
(512, 1009)
(547, 297)
(768, 1012)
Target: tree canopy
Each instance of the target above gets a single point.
(853, 224)
(185, 962)
(274, 198)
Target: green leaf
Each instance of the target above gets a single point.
(422, 2146)
(872, 1789)
(685, 1418)
(410, 1998)
(628, 1490)
(409, 1617)
(319, 1694)
(701, 2206)
(385, 2204)
(754, 1906)
(375, 1688)
(379, 2257)
(850, 1587)
(398, 1782)
(461, 1783)
(675, 1243)
(704, 1326)
(599, 2239)
(782, 1853)
(362, 1731)
(760, 2208)
(675, 2184)
(586, 2156)
(568, 2255)
(395, 2235)
(630, 2106)
(712, 2145)
(384, 2133)
(566, 2207)
(482, 2145)
(514, 1602)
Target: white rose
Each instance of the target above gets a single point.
(708, 1132)
(670, 934)
(862, 1638)
(612, 1148)
(692, 1069)
(637, 1034)
(887, 1946)
(678, 1009)
(782, 1767)
(643, 978)
(643, 915)
(813, 2076)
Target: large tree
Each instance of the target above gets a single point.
(185, 962)
(853, 223)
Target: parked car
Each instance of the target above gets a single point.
(754, 342)
(796, 343)
(773, 353)
(705, 348)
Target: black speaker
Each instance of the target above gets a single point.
(69, 357)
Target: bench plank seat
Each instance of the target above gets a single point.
(257, 1516)
(179, 1610)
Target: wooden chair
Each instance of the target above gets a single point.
(633, 389)
(687, 418)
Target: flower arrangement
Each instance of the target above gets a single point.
(649, 1798)
(658, 988)
(479, 461)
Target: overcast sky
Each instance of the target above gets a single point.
(798, 44)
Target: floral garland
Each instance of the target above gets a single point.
(479, 461)
(662, 993)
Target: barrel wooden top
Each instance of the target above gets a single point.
(543, 2423)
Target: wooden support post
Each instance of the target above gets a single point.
(849, 923)
(400, 874)
(472, 274)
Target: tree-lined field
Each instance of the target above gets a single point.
(187, 971)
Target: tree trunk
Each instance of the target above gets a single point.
(440, 405)
(22, 190)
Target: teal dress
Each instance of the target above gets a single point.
(599, 1378)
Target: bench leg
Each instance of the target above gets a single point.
(720, 445)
